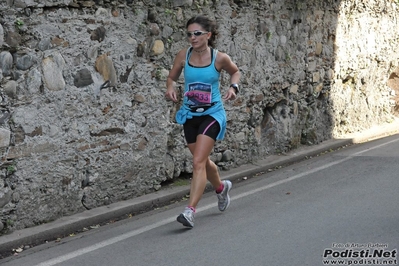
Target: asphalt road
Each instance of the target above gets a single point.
(341, 206)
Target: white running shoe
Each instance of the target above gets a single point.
(186, 217)
(223, 197)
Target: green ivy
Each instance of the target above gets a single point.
(11, 169)
(19, 23)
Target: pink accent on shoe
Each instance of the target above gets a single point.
(192, 208)
(220, 189)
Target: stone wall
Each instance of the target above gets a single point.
(84, 121)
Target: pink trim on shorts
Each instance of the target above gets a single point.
(206, 129)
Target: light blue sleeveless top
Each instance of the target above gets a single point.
(201, 83)
(202, 87)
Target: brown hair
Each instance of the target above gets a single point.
(208, 25)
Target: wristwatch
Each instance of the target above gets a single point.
(235, 87)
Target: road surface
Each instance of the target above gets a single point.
(340, 208)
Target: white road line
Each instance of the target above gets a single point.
(105, 243)
(308, 172)
(147, 228)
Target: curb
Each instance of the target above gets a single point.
(66, 225)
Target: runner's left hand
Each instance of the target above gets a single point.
(230, 94)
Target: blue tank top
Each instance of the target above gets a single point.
(202, 87)
(201, 83)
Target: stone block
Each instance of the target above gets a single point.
(105, 67)
(5, 135)
(158, 48)
(178, 3)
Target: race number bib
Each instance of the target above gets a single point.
(199, 94)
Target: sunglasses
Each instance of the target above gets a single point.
(196, 33)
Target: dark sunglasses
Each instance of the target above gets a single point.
(195, 33)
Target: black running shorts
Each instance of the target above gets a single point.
(206, 125)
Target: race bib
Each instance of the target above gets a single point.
(199, 94)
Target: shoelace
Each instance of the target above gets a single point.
(188, 211)
(220, 196)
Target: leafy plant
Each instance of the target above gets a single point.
(19, 23)
(269, 35)
(287, 56)
(11, 169)
(158, 74)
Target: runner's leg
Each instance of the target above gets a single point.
(200, 150)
